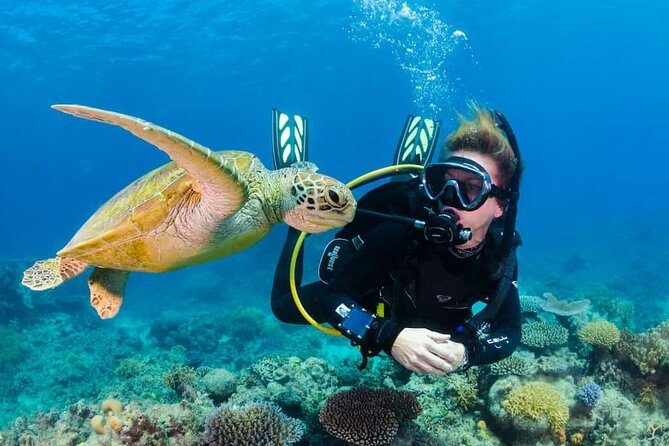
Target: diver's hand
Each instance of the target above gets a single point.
(425, 351)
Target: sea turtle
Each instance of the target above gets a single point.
(202, 206)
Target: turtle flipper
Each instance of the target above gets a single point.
(212, 175)
(107, 287)
(49, 273)
(289, 139)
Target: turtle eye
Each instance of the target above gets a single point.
(334, 199)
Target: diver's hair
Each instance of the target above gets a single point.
(481, 135)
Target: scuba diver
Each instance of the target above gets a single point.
(408, 288)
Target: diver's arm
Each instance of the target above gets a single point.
(504, 336)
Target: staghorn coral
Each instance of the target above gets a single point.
(543, 334)
(251, 425)
(368, 417)
(537, 400)
(599, 334)
(465, 388)
(651, 351)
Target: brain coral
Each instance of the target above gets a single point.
(600, 334)
(368, 417)
(536, 400)
(251, 425)
(543, 334)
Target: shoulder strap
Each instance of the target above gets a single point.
(477, 322)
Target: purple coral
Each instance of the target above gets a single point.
(251, 425)
(589, 394)
(368, 417)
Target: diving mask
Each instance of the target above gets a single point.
(459, 182)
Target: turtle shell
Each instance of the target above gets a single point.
(141, 227)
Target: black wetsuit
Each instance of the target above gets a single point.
(424, 285)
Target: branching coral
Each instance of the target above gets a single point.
(531, 304)
(652, 349)
(543, 334)
(535, 400)
(589, 394)
(465, 388)
(368, 417)
(515, 364)
(251, 425)
(599, 334)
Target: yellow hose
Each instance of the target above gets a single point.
(298, 244)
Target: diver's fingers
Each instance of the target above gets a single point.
(443, 351)
(438, 337)
(436, 362)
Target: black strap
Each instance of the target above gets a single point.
(473, 325)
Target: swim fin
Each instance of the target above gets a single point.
(417, 142)
(289, 139)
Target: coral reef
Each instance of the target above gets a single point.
(171, 372)
(218, 384)
(537, 400)
(531, 304)
(516, 364)
(651, 351)
(563, 307)
(252, 424)
(601, 334)
(540, 335)
(368, 417)
(589, 394)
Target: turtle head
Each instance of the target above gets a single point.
(318, 203)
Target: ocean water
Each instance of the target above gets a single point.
(582, 83)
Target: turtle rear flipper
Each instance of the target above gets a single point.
(107, 287)
(49, 273)
(289, 139)
(216, 178)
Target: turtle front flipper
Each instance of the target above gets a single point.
(49, 273)
(107, 287)
(212, 174)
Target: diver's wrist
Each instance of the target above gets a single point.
(464, 364)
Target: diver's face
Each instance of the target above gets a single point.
(480, 219)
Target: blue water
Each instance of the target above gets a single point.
(583, 84)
